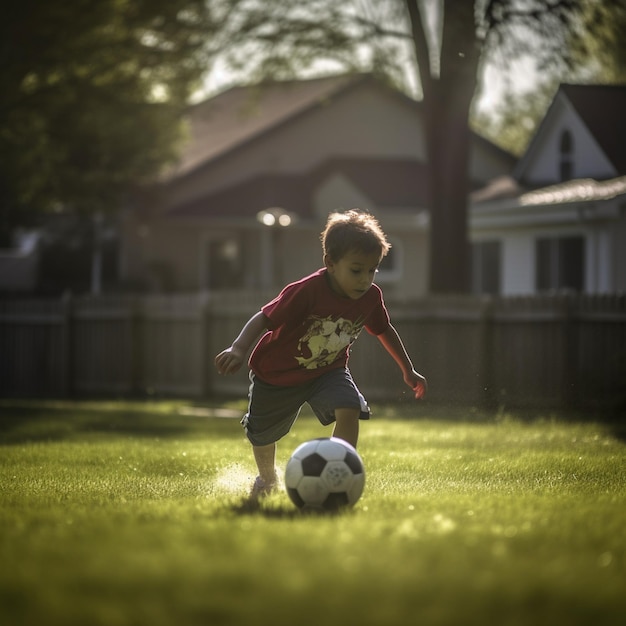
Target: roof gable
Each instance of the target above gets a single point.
(594, 116)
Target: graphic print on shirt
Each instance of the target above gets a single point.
(325, 339)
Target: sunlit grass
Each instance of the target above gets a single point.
(128, 514)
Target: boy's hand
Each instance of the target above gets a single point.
(417, 382)
(420, 390)
(229, 361)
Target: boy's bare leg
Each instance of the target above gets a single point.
(347, 425)
(265, 457)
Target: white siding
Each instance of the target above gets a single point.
(541, 164)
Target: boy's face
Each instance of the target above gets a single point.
(353, 275)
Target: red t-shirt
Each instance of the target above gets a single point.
(311, 329)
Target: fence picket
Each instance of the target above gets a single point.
(556, 351)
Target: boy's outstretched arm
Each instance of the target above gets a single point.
(394, 346)
(230, 360)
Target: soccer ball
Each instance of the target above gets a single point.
(324, 474)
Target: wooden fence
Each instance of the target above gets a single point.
(551, 351)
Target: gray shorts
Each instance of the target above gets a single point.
(273, 409)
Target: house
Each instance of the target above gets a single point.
(264, 166)
(559, 222)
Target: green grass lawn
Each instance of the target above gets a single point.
(119, 514)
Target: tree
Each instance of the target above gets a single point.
(446, 42)
(597, 56)
(598, 53)
(92, 95)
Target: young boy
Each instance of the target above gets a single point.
(308, 331)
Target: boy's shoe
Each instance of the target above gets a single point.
(261, 489)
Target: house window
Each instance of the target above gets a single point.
(486, 264)
(560, 263)
(224, 264)
(390, 268)
(566, 153)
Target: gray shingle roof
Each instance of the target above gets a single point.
(238, 115)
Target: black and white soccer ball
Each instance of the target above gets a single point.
(325, 474)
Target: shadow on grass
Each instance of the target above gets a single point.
(250, 506)
(49, 422)
(613, 420)
(271, 510)
(22, 425)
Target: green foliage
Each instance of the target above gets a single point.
(283, 39)
(515, 119)
(597, 43)
(131, 514)
(406, 41)
(92, 96)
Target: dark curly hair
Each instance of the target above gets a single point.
(353, 230)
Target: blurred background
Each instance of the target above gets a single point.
(167, 166)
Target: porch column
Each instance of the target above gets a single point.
(273, 220)
(266, 265)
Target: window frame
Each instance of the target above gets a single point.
(554, 256)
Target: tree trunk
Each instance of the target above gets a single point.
(447, 101)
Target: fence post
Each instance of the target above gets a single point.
(487, 347)
(68, 330)
(205, 357)
(137, 374)
(570, 353)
